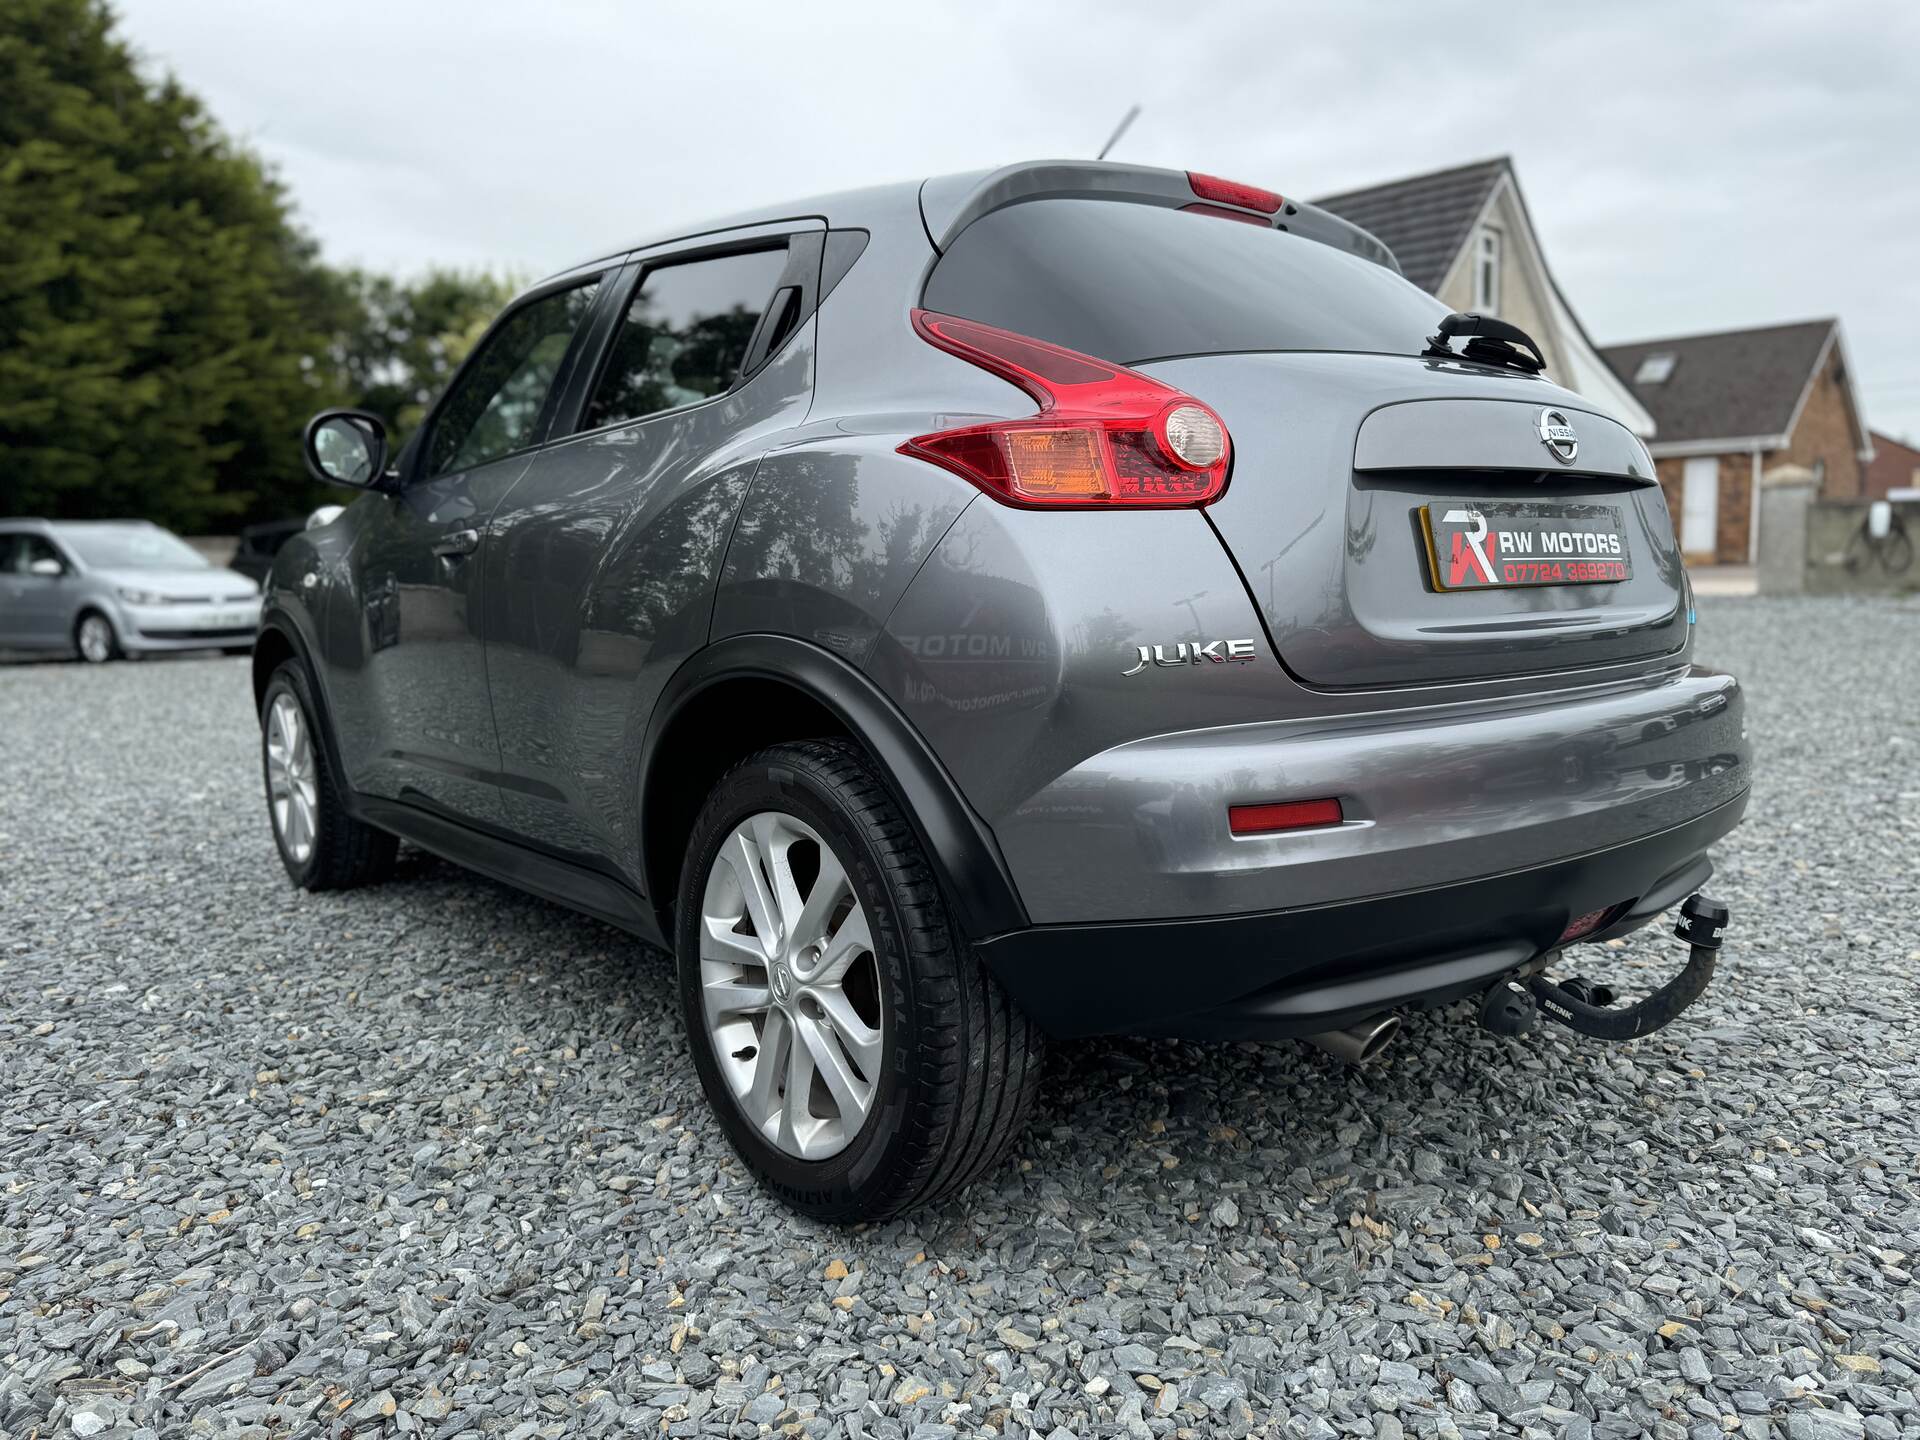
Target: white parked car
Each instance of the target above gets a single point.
(106, 588)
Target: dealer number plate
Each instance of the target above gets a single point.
(1501, 544)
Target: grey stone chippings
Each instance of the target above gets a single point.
(430, 1159)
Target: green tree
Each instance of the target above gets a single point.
(399, 343)
(164, 327)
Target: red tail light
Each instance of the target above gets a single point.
(1105, 437)
(1232, 192)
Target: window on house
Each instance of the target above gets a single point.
(1486, 272)
(1654, 370)
(1819, 477)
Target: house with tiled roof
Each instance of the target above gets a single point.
(1732, 405)
(1464, 235)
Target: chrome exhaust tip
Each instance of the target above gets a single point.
(1357, 1044)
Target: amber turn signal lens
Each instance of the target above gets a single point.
(1055, 464)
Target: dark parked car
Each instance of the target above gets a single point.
(253, 557)
(1069, 600)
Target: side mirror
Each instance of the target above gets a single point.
(346, 447)
(49, 569)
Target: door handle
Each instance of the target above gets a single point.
(460, 542)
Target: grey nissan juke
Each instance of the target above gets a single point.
(1074, 599)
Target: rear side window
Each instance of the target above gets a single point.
(1137, 282)
(684, 335)
(495, 404)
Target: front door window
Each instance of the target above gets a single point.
(495, 406)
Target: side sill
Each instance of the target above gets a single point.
(574, 886)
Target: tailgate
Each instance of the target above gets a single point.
(1360, 482)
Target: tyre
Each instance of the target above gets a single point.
(1897, 556)
(93, 637)
(1858, 550)
(322, 846)
(858, 1055)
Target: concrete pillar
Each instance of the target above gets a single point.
(1786, 493)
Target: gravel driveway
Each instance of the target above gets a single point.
(430, 1158)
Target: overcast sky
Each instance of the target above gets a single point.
(1693, 166)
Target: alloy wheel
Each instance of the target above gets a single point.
(96, 639)
(790, 987)
(292, 792)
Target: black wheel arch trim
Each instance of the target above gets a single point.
(286, 625)
(972, 871)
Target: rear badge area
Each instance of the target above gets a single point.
(1191, 652)
(1499, 545)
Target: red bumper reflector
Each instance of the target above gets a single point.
(1585, 924)
(1282, 815)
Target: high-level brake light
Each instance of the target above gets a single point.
(1105, 437)
(1232, 192)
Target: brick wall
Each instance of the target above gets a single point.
(1734, 521)
(1827, 433)
(1895, 466)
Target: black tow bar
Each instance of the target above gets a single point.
(1587, 1007)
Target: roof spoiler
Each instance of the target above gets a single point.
(950, 203)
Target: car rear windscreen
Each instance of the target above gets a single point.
(1129, 283)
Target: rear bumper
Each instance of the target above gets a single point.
(1296, 971)
(1432, 794)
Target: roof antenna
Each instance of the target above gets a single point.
(1133, 112)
